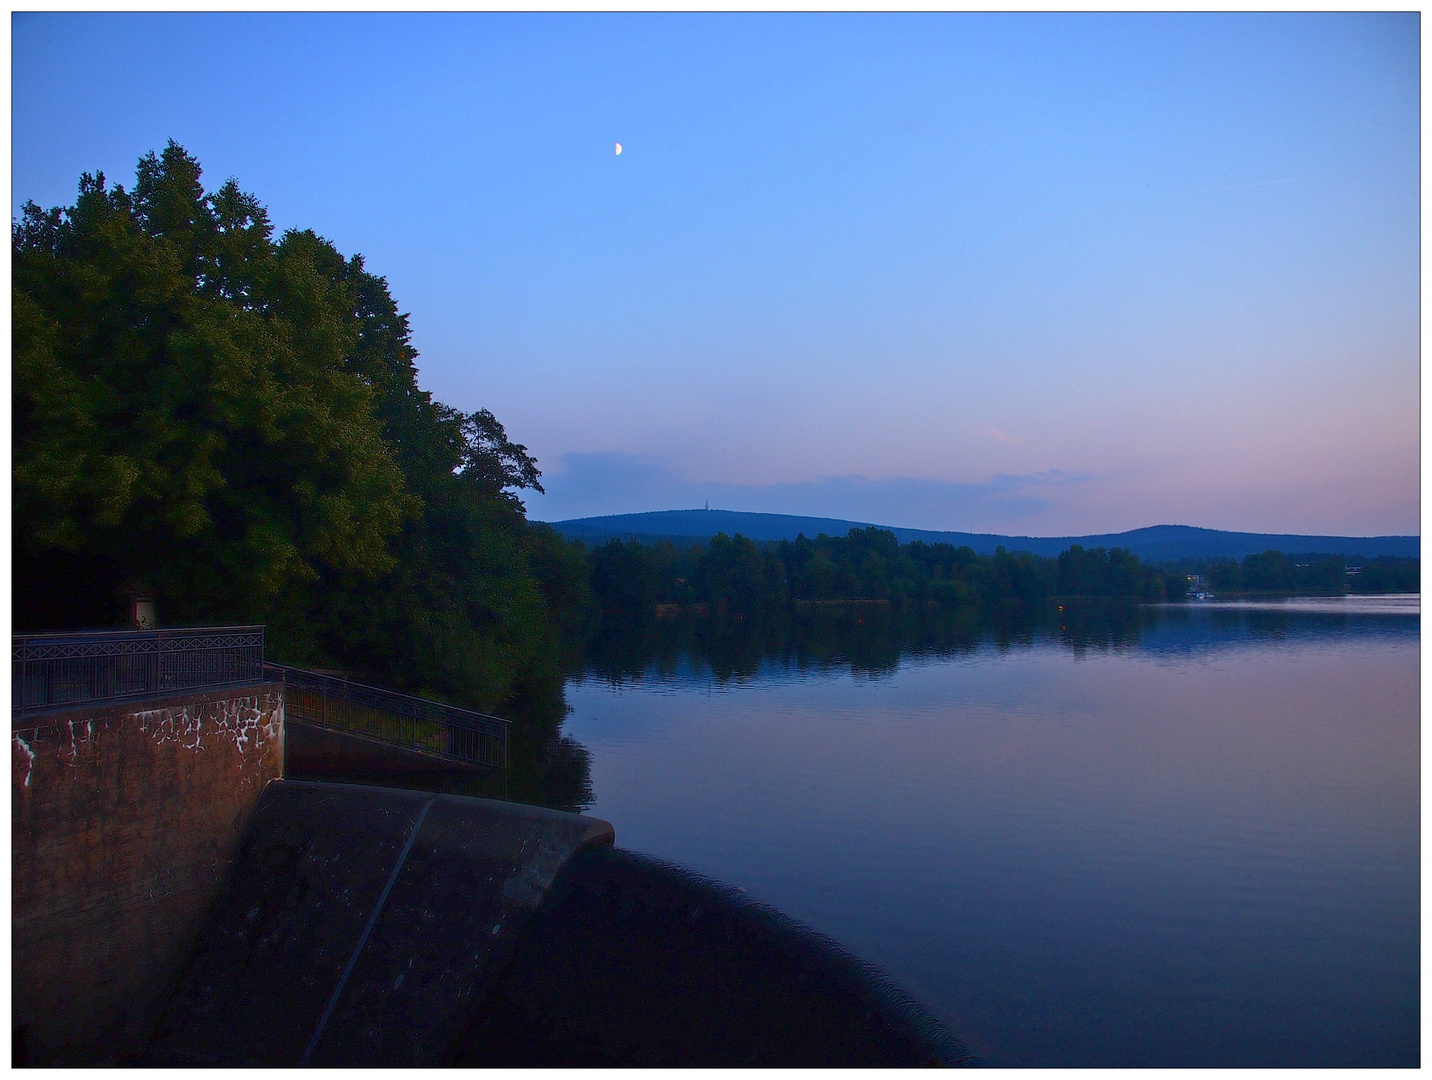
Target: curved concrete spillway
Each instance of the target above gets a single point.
(635, 962)
(377, 926)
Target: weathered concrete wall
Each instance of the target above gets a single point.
(125, 823)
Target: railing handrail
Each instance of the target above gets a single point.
(472, 737)
(127, 632)
(456, 712)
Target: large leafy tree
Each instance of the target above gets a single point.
(236, 421)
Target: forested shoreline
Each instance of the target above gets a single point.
(736, 575)
(634, 583)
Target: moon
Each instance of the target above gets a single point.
(619, 149)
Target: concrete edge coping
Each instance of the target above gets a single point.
(189, 696)
(599, 831)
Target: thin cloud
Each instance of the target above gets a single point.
(590, 485)
(1001, 436)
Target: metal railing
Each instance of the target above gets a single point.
(99, 667)
(413, 723)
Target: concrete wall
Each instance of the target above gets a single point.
(126, 821)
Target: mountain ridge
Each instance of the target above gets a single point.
(1153, 542)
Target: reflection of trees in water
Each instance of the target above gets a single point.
(545, 767)
(866, 638)
(1098, 626)
(1197, 626)
(1254, 623)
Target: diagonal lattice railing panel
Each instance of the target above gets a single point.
(50, 671)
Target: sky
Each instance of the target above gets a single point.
(1036, 274)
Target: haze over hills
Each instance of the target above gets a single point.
(1156, 543)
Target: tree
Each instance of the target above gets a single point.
(1269, 571)
(625, 584)
(180, 400)
(237, 421)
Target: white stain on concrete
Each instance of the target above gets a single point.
(30, 754)
(240, 721)
(74, 744)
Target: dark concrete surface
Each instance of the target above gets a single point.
(634, 962)
(362, 926)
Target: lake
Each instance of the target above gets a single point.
(1192, 840)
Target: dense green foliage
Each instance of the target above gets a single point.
(235, 421)
(1385, 574)
(737, 576)
(1275, 573)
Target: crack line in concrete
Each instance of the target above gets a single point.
(363, 940)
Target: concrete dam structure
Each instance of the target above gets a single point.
(182, 897)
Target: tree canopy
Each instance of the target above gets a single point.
(236, 421)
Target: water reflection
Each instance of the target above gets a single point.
(546, 767)
(551, 768)
(874, 639)
(1108, 836)
(1352, 604)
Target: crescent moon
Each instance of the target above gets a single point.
(619, 149)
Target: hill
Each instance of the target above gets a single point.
(1157, 543)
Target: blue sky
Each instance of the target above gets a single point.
(1040, 274)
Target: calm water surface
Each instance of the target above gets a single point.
(1198, 847)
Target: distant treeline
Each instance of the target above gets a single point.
(730, 575)
(1274, 572)
(733, 575)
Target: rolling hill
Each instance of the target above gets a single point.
(1156, 543)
